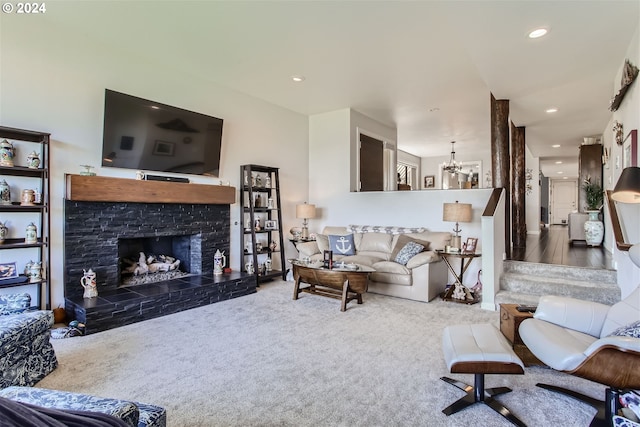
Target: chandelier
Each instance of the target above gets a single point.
(452, 166)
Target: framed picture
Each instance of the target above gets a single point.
(429, 181)
(271, 224)
(163, 148)
(470, 246)
(8, 270)
(630, 150)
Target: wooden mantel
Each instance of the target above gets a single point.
(106, 189)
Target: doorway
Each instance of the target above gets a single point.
(564, 199)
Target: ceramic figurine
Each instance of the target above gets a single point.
(267, 264)
(27, 268)
(267, 181)
(249, 267)
(28, 197)
(272, 246)
(246, 179)
(33, 160)
(258, 181)
(87, 171)
(3, 232)
(5, 193)
(7, 153)
(35, 272)
(219, 261)
(270, 203)
(88, 282)
(139, 175)
(32, 234)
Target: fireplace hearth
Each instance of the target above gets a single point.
(99, 234)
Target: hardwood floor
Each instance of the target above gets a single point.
(552, 246)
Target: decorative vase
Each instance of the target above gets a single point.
(593, 229)
(88, 282)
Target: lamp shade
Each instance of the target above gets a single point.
(457, 212)
(305, 211)
(627, 188)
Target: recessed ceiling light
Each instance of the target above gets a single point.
(155, 107)
(297, 79)
(565, 177)
(558, 162)
(560, 172)
(537, 33)
(555, 146)
(551, 110)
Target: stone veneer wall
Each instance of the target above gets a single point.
(92, 230)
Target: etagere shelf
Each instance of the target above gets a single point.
(37, 178)
(262, 250)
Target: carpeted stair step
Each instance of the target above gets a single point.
(524, 283)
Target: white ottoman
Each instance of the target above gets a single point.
(479, 350)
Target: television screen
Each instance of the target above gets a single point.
(148, 135)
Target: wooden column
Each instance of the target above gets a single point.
(500, 159)
(518, 191)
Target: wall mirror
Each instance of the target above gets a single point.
(470, 176)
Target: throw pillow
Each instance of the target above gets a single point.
(323, 242)
(14, 303)
(409, 250)
(632, 330)
(342, 245)
(403, 239)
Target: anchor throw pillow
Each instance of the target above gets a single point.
(342, 245)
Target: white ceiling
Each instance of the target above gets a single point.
(395, 61)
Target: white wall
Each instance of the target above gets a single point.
(52, 80)
(629, 115)
(532, 200)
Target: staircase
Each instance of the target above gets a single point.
(524, 283)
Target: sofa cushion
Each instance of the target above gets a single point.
(402, 240)
(423, 258)
(409, 250)
(390, 267)
(375, 242)
(323, 242)
(20, 329)
(14, 303)
(391, 278)
(342, 245)
(360, 259)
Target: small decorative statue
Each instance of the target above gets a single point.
(139, 175)
(5, 193)
(267, 264)
(272, 246)
(7, 153)
(27, 268)
(219, 261)
(267, 181)
(33, 160)
(249, 267)
(3, 232)
(88, 282)
(31, 236)
(270, 203)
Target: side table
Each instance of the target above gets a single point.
(510, 319)
(458, 292)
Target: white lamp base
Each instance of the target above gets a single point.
(456, 242)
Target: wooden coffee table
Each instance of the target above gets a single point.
(339, 283)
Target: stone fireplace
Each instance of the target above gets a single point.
(99, 234)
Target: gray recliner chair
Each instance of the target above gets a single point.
(594, 341)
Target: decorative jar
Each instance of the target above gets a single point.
(219, 261)
(33, 160)
(32, 234)
(35, 272)
(7, 153)
(3, 232)
(28, 197)
(5, 193)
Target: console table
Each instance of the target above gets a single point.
(457, 289)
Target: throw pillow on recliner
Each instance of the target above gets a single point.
(632, 330)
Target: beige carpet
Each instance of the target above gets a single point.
(266, 360)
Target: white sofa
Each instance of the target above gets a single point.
(424, 276)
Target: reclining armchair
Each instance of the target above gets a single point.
(590, 340)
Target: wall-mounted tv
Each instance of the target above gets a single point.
(148, 135)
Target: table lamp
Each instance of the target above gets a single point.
(305, 211)
(456, 212)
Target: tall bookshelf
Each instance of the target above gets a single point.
(261, 223)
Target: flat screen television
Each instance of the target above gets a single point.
(147, 135)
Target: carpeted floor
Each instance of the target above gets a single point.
(266, 360)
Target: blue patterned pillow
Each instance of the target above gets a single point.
(342, 245)
(14, 303)
(409, 250)
(632, 330)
